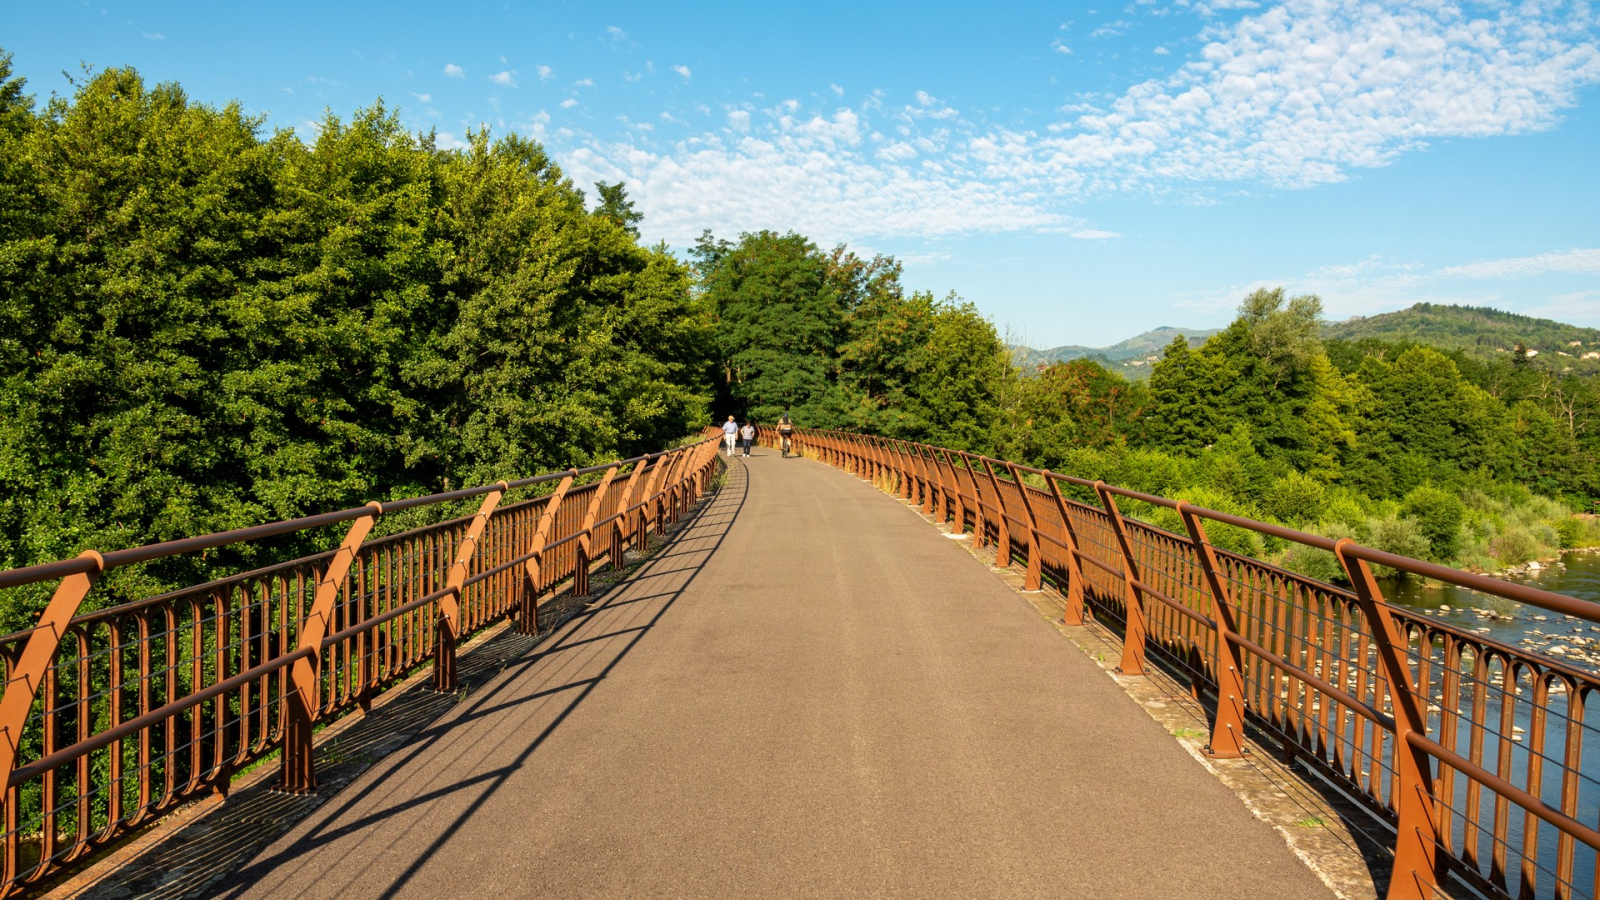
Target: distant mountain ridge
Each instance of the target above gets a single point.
(1478, 331)
(1482, 332)
(1128, 357)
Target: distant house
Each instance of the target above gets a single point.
(1575, 343)
(1532, 353)
(1592, 354)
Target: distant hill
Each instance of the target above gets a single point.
(1131, 357)
(1482, 332)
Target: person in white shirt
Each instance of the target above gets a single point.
(730, 431)
(747, 435)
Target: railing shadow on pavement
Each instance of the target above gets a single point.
(710, 523)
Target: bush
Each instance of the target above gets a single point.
(1398, 535)
(1319, 564)
(1439, 515)
(1571, 531)
(1514, 546)
(1296, 499)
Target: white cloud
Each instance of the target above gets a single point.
(586, 82)
(545, 73)
(682, 70)
(454, 71)
(444, 140)
(153, 35)
(1061, 47)
(504, 79)
(1294, 95)
(568, 103)
(1162, 51)
(1583, 262)
(837, 91)
(1300, 93)
(1111, 29)
(425, 98)
(1094, 234)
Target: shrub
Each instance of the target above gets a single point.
(1571, 532)
(1296, 499)
(1439, 515)
(1398, 535)
(1514, 546)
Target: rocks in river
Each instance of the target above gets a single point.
(1558, 650)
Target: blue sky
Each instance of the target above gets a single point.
(1082, 172)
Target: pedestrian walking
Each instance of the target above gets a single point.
(747, 434)
(730, 433)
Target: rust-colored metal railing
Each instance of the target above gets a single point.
(1479, 755)
(112, 718)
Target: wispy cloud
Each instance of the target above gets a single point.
(1060, 46)
(568, 103)
(425, 98)
(1292, 96)
(584, 82)
(504, 79)
(682, 70)
(153, 35)
(454, 71)
(545, 73)
(1584, 262)
(1094, 234)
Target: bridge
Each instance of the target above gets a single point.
(683, 675)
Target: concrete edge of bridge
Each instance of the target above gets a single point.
(1334, 835)
(252, 815)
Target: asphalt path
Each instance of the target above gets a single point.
(809, 693)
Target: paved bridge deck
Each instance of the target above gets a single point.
(809, 693)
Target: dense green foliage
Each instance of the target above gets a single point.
(204, 327)
(1416, 450)
(837, 342)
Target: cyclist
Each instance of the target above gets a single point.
(785, 433)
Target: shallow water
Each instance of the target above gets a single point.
(1576, 575)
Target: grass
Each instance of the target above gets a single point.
(1190, 733)
(1312, 822)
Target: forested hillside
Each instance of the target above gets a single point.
(1483, 333)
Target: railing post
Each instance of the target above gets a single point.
(580, 571)
(641, 527)
(1133, 642)
(980, 531)
(1227, 729)
(449, 624)
(533, 569)
(927, 481)
(1002, 552)
(618, 528)
(660, 510)
(303, 690)
(1416, 852)
(1031, 581)
(1073, 615)
(34, 664)
(960, 524)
